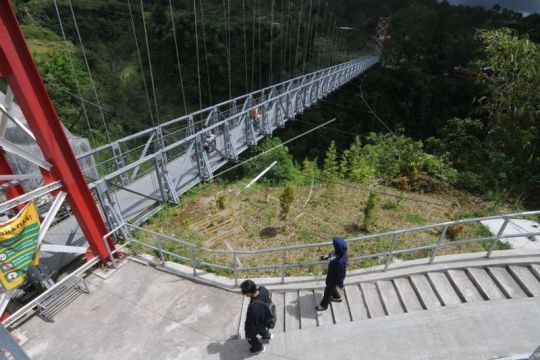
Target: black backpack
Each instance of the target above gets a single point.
(270, 313)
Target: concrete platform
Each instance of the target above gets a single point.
(137, 313)
(142, 313)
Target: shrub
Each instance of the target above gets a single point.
(285, 201)
(369, 211)
(284, 171)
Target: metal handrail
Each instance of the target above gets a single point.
(315, 76)
(386, 255)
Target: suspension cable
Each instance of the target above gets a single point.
(149, 63)
(197, 53)
(253, 49)
(245, 43)
(178, 57)
(227, 44)
(312, 60)
(89, 71)
(308, 29)
(283, 41)
(260, 57)
(298, 37)
(141, 63)
(206, 54)
(321, 46)
(290, 45)
(270, 77)
(75, 77)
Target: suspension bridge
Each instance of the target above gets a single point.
(114, 188)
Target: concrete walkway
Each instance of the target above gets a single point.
(136, 313)
(141, 313)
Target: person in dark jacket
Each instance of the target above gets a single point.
(257, 315)
(337, 268)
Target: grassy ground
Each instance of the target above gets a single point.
(250, 220)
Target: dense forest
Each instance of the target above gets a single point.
(456, 98)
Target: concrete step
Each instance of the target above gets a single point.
(324, 318)
(308, 315)
(444, 289)
(408, 296)
(340, 311)
(485, 283)
(292, 311)
(425, 292)
(241, 332)
(296, 308)
(506, 282)
(373, 300)
(390, 297)
(279, 299)
(535, 269)
(529, 283)
(355, 300)
(465, 287)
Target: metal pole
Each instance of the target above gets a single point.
(193, 261)
(160, 243)
(498, 237)
(441, 238)
(283, 262)
(391, 252)
(235, 266)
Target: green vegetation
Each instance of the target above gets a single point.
(462, 106)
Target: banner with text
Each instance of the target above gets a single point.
(18, 243)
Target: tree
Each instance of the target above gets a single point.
(271, 150)
(331, 167)
(512, 103)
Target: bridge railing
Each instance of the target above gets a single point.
(367, 250)
(113, 158)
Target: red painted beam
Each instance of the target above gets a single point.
(25, 81)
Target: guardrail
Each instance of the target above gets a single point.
(196, 256)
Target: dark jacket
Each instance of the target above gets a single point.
(337, 267)
(257, 313)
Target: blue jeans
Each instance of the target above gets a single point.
(256, 345)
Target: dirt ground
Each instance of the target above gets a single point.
(231, 217)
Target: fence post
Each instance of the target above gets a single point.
(391, 252)
(111, 256)
(193, 260)
(498, 237)
(283, 263)
(441, 238)
(235, 267)
(160, 243)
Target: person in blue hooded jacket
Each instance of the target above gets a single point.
(337, 268)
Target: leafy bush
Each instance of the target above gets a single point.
(396, 156)
(284, 171)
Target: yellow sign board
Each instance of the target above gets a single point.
(18, 243)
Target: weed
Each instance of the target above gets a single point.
(416, 218)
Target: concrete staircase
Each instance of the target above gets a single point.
(405, 294)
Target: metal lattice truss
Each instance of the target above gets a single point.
(381, 34)
(154, 166)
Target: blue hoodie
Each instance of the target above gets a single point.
(337, 267)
